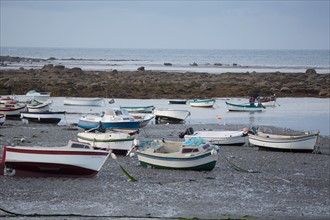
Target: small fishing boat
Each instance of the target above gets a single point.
(2, 119)
(205, 103)
(75, 159)
(107, 140)
(194, 154)
(43, 117)
(112, 118)
(39, 106)
(167, 114)
(139, 109)
(219, 137)
(245, 107)
(81, 101)
(34, 95)
(12, 110)
(177, 102)
(303, 142)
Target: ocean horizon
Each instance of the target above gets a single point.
(179, 60)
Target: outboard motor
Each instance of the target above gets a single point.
(189, 131)
(253, 130)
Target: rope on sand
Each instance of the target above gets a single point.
(237, 168)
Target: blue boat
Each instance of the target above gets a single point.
(245, 107)
(112, 118)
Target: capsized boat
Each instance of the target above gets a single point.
(205, 103)
(194, 154)
(171, 114)
(34, 95)
(219, 137)
(303, 142)
(111, 118)
(74, 159)
(43, 117)
(245, 107)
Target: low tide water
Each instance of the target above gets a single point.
(303, 114)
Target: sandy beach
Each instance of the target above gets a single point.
(283, 185)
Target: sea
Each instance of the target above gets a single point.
(181, 60)
(303, 114)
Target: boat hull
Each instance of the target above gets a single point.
(202, 103)
(43, 117)
(84, 101)
(171, 114)
(177, 102)
(281, 142)
(202, 162)
(108, 140)
(221, 137)
(43, 161)
(244, 108)
(139, 109)
(87, 124)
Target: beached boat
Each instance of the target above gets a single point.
(171, 114)
(81, 101)
(112, 118)
(7, 100)
(43, 117)
(12, 110)
(75, 159)
(177, 102)
(34, 95)
(194, 154)
(205, 103)
(303, 142)
(245, 107)
(140, 109)
(143, 118)
(108, 140)
(219, 137)
(38, 106)
(2, 119)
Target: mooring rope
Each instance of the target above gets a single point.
(237, 168)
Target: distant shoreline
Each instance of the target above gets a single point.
(156, 84)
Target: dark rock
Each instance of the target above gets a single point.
(141, 68)
(59, 66)
(311, 71)
(168, 64)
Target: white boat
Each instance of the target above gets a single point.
(38, 106)
(43, 117)
(2, 119)
(220, 137)
(80, 101)
(144, 118)
(139, 109)
(112, 118)
(75, 159)
(304, 142)
(254, 107)
(171, 114)
(195, 154)
(34, 95)
(12, 110)
(109, 140)
(205, 103)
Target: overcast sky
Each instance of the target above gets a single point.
(166, 24)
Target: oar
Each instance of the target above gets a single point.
(277, 103)
(122, 169)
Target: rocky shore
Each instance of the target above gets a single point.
(283, 185)
(149, 84)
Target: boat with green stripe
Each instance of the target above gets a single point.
(194, 154)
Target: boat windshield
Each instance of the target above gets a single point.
(80, 145)
(189, 150)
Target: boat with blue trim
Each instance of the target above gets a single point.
(112, 118)
(206, 103)
(253, 107)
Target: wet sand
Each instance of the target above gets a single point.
(286, 185)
